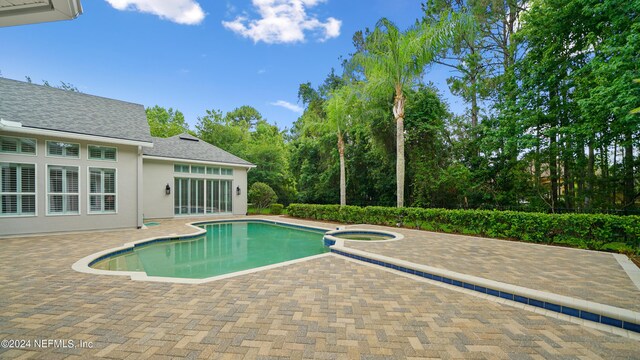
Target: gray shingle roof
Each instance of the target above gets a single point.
(187, 147)
(44, 107)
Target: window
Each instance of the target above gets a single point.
(17, 145)
(226, 171)
(197, 169)
(102, 153)
(181, 168)
(17, 189)
(213, 170)
(102, 190)
(63, 190)
(200, 196)
(62, 149)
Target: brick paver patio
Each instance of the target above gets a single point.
(329, 307)
(587, 275)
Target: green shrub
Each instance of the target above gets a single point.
(276, 209)
(586, 231)
(261, 196)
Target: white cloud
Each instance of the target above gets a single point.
(288, 105)
(284, 21)
(187, 12)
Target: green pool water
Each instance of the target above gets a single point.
(225, 248)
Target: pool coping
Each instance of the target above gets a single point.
(84, 265)
(583, 309)
(330, 238)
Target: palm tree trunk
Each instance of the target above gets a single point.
(343, 177)
(398, 113)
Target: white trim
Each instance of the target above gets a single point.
(47, 212)
(20, 153)
(180, 160)
(335, 235)
(630, 268)
(74, 136)
(89, 193)
(35, 171)
(103, 160)
(46, 150)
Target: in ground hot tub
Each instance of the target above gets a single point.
(331, 237)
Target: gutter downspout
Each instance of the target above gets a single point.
(139, 199)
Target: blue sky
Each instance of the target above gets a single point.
(194, 55)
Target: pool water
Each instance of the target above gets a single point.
(225, 248)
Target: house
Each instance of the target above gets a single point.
(38, 11)
(71, 162)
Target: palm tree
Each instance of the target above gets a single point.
(341, 109)
(395, 60)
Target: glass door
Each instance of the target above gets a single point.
(200, 196)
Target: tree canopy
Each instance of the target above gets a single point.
(551, 123)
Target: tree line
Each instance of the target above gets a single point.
(549, 126)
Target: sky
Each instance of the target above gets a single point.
(196, 55)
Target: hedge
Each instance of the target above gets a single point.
(276, 209)
(585, 231)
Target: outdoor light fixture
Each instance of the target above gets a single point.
(238, 190)
(167, 189)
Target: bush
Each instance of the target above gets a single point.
(276, 209)
(586, 231)
(261, 195)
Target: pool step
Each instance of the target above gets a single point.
(582, 309)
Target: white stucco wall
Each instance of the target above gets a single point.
(126, 190)
(159, 173)
(156, 176)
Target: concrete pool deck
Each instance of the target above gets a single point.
(329, 307)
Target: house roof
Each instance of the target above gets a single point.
(186, 147)
(36, 11)
(44, 107)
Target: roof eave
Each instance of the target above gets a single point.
(53, 11)
(218, 163)
(12, 128)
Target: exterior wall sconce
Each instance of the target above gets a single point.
(167, 189)
(238, 190)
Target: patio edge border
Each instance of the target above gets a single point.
(582, 309)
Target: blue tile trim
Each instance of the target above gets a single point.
(537, 303)
(468, 286)
(631, 326)
(610, 321)
(328, 242)
(589, 316)
(296, 226)
(570, 311)
(552, 307)
(521, 299)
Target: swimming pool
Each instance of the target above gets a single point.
(227, 247)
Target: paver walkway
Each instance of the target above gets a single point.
(329, 307)
(588, 275)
